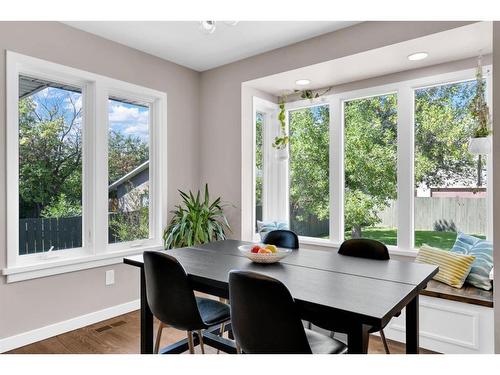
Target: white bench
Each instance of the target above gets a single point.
(452, 321)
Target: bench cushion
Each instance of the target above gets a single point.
(482, 250)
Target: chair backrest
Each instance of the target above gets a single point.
(282, 238)
(364, 248)
(169, 292)
(264, 316)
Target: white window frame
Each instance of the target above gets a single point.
(405, 154)
(96, 90)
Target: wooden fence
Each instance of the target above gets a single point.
(37, 235)
(468, 215)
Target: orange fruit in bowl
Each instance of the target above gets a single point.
(265, 251)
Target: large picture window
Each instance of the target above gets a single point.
(128, 171)
(50, 166)
(450, 182)
(309, 171)
(84, 168)
(370, 165)
(389, 163)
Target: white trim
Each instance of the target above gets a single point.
(51, 267)
(29, 337)
(96, 90)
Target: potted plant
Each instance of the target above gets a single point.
(196, 221)
(480, 143)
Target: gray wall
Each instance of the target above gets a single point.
(35, 303)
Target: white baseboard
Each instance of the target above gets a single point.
(25, 338)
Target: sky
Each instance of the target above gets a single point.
(129, 119)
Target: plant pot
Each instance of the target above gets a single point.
(282, 154)
(480, 146)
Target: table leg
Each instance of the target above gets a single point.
(412, 327)
(357, 339)
(146, 320)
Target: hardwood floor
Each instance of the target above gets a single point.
(120, 335)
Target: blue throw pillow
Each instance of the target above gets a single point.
(265, 227)
(483, 251)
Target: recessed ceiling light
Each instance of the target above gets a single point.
(302, 82)
(418, 56)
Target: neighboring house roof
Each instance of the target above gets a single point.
(129, 176)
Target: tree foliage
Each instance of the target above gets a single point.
(309, 163)
(443, 126)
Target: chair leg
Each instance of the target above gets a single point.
(200, 336)
(190, 342)
(238, 348)
(222, 328)
(384, 341)
(158, 337)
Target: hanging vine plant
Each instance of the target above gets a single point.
(281, 141)
(480, 141)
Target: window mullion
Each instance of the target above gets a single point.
(336, 169)
(405, 168)
(100, 203)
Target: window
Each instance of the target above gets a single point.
(390, 163)
(50, 166)
(309, 171)
(259, 163)
(450, 182)
(370, 167)
(84, 168)
(128, 171)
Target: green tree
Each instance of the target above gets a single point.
(50, 157)
(370, 159)
(125, 153)
(309, 163)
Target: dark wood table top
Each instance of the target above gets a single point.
(391, 270)
(369, 290)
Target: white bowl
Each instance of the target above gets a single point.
(264, 258)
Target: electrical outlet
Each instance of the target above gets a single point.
(110, 277)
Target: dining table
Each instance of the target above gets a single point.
(336, 292)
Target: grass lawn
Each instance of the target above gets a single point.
(443, 240)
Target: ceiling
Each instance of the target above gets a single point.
(450, 45)
(184, 43)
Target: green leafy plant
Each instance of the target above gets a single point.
(479, 108)
(282, 140)
(196, 221)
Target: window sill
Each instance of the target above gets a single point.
(51, 267)
(328, 245)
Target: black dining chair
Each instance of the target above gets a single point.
(171, 299)
(282, 238)
(368, 249)
(265, 320)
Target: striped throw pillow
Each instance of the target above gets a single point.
(264, 227)
(453, 267)
(479, 275)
